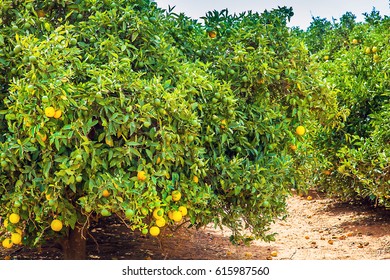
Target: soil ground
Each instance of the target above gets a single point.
(316, 229)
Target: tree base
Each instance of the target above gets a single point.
(74, 245)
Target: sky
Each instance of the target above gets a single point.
(304, 10)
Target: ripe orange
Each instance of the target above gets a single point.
(160, 222)
(327, 172)
(170, 215)
(326, 57)
(309, 197)
(195, 179)
(367, 50)
(293, 147)
(154, 231)
(176, 195)
(212, 34)
(141, 175)
(41, 13)
(14, 218)
(374, 49)
(354, 41)
(50, 112)
(274, 254)
(183, 210)
(57, 114)
(42, 136)
(158, 213)
(106, 193)
(177, 216)
(300, 130)
(7, 243)
(16, 238)
(56, 225)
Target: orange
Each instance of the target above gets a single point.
(293, 147)
(16, 238)
(327, 172)
(14, 218)
(41, 13)
(154, 231)
(50, 112)
(223, 123)
(42, 136)
(158, 213)
(141, 175)
(354, 41)
(56, 225)
(177, 216)
(326, 57)
(106, 193)
(7, 243)
(170, 215)
(57, 114)
(368, 50)
(195, 179)
(212, 34)
(374, 49)
(300, 130)
(309, 197)
(274, 254)
(176, 195)
(160, 222)
(183, 210)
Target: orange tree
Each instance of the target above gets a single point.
(120, 108)
(355, 61)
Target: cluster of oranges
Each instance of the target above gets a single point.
(15, 238)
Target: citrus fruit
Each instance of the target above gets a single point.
(160, 222)
(158, 213)
(14, 218)
(7, 243)
(5, 224)
(274, 254)
(367, 50)
(195, 179)
(18, 230)
(105, 212)
(145, 231)
(212, 34)
(106, 193)
(144, 211)
(309, 197)
(57, 114)
(141, 175)
(16, 238)
(374, 49)
(50, 112)
(154, 231)
(79, 178)
(326, 57)
(17, 204)
(293, 147)
(183, 210)
(177, 216)
(354, 41)
(300, 130)
(170, 215)
(17, 49)
(56, 225)
(129, 213)
(42, 136)
(176, 195)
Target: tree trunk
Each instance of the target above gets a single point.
(74, 246)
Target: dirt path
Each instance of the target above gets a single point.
(323, 229)
(319, 228)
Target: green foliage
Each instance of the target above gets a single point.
(141, 89)
(357, 151)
